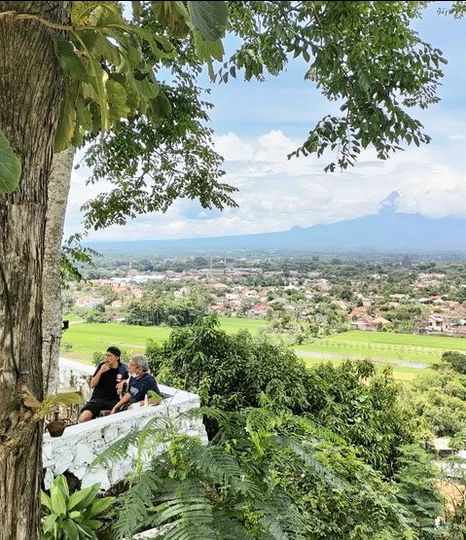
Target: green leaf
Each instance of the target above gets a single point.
(137, 10)
(69, 528)
(45, 500)
(80, 499)
(160, 108)
(92, 524)
(10, 166)
(81, 11)
(159, 45)
(145, 87)
(84, 531)
(208, 50)
(98, 83)
(58, 500)
(83, 122)
(48, 523)
(65, 126)
(67, 398)
(173, 16)
(209, 18)
(116, 100)
(69, 61)
(105, 48)
(99, 506)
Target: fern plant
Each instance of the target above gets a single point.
(221, 490)
(265, 476)
(72, 516)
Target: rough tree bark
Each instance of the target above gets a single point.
(30, 95)
(58, 189)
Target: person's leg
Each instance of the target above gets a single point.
(90, 410)
(105, 408)
(85, 416)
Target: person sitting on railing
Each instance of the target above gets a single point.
(140, 382)
(105, 384)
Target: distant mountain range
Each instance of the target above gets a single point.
(387, 231)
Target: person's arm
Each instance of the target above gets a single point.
(120, 387)
(123, 401)
(96, 378)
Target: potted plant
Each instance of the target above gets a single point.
(56, 427)
(49, 405)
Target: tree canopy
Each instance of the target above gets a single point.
(321, 453)
(156, 144)
(107, 69)
(363, 55)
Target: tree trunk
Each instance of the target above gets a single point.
(58, 190)
(30, 96)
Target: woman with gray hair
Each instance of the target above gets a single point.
(140, 382)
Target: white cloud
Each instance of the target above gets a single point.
(232, 148)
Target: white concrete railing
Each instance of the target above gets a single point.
(72, 374)
(75, 451)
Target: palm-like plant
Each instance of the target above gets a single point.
(50, 402)
(190, 490)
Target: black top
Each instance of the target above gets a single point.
(106, 387)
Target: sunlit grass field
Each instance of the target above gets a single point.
(408, 354)
(376, 346)
(81, 340)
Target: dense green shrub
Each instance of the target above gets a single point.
(167, 309)
(456, 360)
(438, 399)
(267, 475)
(230, 371)
(233, 372)
(362, 405)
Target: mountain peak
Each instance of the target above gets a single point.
(390, 201)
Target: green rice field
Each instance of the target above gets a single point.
(386, 346)
(81, 340)
(408, 354)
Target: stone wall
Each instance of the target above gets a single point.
(75, 451)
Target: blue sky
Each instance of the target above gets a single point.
(258, 124)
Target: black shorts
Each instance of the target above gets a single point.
(96, 406)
